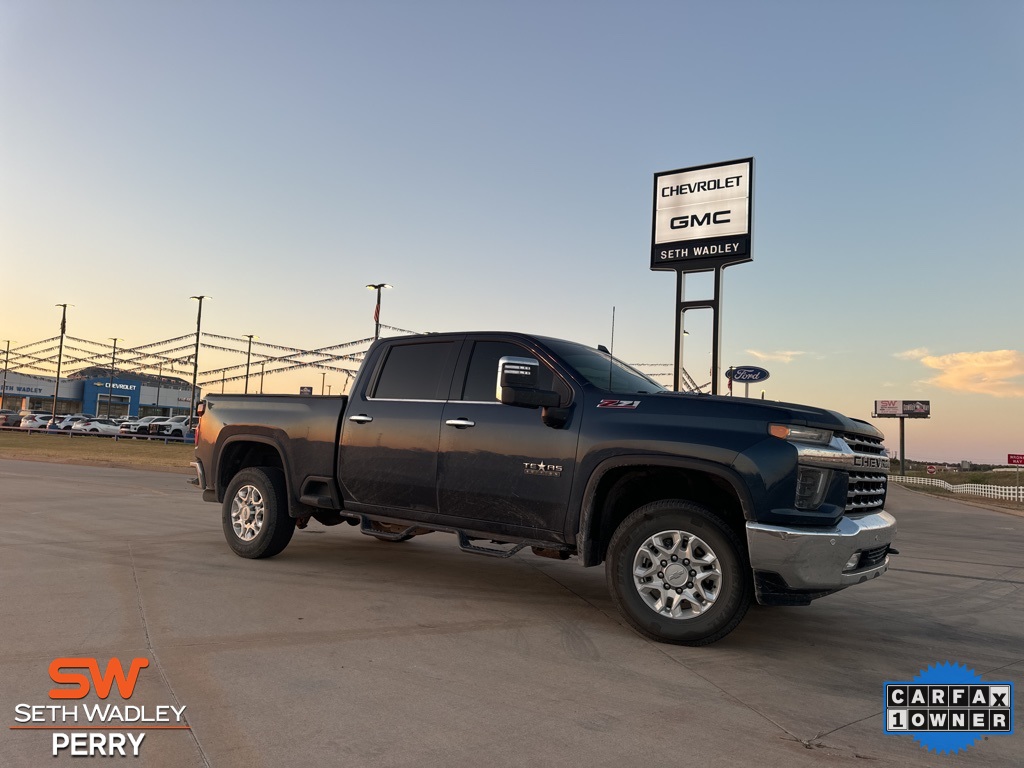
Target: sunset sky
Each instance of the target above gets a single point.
(494, 162)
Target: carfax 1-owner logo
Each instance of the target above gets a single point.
(948, 708)
(109, 727)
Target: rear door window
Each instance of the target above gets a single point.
(415, 372)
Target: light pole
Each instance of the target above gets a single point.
(195, 357)
(60, 353)
(323, 381)
(7, 357)
(159, 382)
(263, 364)
(248, 356)
(376, 311)
(110, 387)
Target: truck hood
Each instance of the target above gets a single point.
(769, 411)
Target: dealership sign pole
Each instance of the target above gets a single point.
(702, 223)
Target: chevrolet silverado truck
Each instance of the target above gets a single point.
(697, 504)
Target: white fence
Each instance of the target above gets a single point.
(1007, 492)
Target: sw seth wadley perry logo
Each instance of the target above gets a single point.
(103, 728)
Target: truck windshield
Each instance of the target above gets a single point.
(602, 370)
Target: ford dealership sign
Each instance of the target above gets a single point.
(746, 374)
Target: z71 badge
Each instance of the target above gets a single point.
(619, 404)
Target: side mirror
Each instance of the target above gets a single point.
(517, 384)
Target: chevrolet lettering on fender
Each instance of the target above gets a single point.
(696, 504)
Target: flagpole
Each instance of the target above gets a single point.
(376, 311)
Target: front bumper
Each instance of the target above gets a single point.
(815, 560)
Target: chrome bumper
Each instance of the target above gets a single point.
(816, 558)
(200, 480)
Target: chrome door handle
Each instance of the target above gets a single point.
(361, 418)
(460, 423)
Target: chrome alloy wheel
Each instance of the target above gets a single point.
(247, 512)
(677, 574)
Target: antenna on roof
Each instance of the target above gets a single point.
(611, 353)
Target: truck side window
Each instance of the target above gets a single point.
(413, 372)
(482, 374)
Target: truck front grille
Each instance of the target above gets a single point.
(866, 491)
(864, 444)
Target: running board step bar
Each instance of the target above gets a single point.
(467, 545)
(366, 526)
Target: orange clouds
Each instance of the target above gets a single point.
(999, 373)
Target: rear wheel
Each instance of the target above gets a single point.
(678, 573)
(255, 513)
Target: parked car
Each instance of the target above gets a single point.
(10, 418)
(63, 422)
(175, 426)
(100, 426)
(34, 421)
(138, 426)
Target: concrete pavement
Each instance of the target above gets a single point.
(345, 650)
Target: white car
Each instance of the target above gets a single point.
(175, 426)
(98, 426)
(138, 426)
(35, 421)
(64, 422)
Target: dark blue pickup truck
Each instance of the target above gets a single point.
(696, 503)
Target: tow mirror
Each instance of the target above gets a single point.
(517, 384)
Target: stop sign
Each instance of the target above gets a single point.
(931, 469)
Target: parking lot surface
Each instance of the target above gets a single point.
(350, 651)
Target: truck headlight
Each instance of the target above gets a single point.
(811, 485)
(799, 434)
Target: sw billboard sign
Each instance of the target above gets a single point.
(902, 409)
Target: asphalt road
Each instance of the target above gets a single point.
(348, 651)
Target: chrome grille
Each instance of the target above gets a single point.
(864, 444)
(866, 491)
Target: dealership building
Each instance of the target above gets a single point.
(91, 390)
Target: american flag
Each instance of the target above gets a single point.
(376, 314)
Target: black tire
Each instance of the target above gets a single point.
(704, 601)
(255, 513)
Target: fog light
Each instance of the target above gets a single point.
(851, 564)
(811, 484)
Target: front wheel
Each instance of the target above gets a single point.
(255, 513)
(678, 573)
